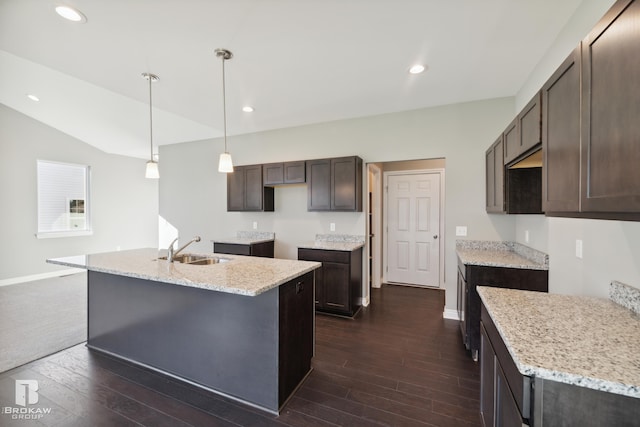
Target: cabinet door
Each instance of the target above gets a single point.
(507, 413)
(344, 184)
(294, 172)
(511, 141)
(487, 379)
(319, 185)
(273, 173)
(561, 138)
(319, 295)
(610, 112)
(295, 333)
(253, 188)
(462, 291)
(235, 189)
(529, 124)
(336, 286)
(495, 177)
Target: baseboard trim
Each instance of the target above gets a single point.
(33, 277)
(450, 314)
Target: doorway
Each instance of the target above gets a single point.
(413, 254)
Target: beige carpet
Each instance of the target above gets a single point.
(41, 317)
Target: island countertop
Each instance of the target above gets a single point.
(243, 275)
(585, 341)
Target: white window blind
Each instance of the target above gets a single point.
(63, 199)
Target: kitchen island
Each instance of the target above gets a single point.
(240, 326)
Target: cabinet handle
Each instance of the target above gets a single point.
(299, 287)
(334, 304)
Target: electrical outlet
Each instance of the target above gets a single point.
(332, 226)
(579, 248)
(255, 225)
(526, 236)
(461, 230)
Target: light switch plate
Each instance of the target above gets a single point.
(526, 236)
(255, 225)
(461, 230)
(332, 226)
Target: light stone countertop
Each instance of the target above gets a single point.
(332, 246)
(248, 238)
(586, 341)
(501, 254)
(241, 240)
(335, 242)
(243, 275)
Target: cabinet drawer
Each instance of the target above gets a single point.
(232, 249)
(322, 255)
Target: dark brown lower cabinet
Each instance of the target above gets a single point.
(471, 276)
(296, 332)
(261, 249)
(338, 281)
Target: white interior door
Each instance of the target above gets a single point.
(413, 228)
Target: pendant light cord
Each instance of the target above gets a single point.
(224, 105)
(150, 118)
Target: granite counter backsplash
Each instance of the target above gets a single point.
(500, 254)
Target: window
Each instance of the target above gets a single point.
(63, 199)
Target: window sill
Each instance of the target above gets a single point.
(54, 234)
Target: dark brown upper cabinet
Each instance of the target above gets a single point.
(495, 177)
(511, 142)
(284, 173)
(561, 137)
(611, 112)
(334, 184)
(524, 132)
(245, 191)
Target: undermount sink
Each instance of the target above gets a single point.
(197, 259)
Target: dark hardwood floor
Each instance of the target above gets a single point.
(398, 363)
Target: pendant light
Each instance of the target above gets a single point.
(224, 164)
(152, 165)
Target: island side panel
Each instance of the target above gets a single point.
(223, 341)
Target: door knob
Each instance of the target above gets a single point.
(435, 236)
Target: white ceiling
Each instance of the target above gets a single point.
(295, 61)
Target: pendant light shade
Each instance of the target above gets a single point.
(225, 164)
(152, 166)
(152, 170)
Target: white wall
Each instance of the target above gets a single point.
(193, 193)
(124, 205)
(611, 249)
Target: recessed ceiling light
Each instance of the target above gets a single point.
(72, 14)
(247, 109)
(33, 97)
(417, 69)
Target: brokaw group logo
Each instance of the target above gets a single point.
(26, 394)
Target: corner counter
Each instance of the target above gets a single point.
(578, 354)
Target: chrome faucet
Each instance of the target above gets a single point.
(171, 254)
